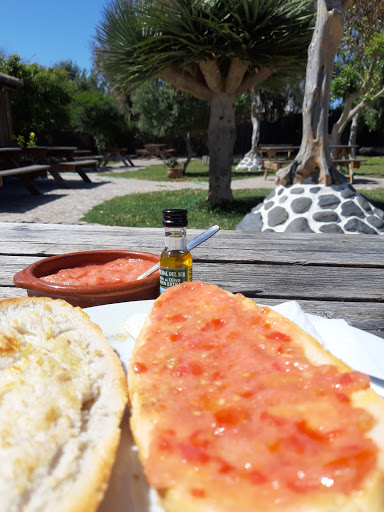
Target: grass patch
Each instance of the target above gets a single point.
(196, 172)
(376, 196)
(372, 166)
(199, 172)
(145, 210)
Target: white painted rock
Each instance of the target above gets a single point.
(311, 208)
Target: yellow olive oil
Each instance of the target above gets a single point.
(175, 260)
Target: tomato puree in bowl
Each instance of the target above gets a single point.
(122, 270)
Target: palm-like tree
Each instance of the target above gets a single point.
(214, 50)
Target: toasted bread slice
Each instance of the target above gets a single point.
(62, 396)
(234, 407)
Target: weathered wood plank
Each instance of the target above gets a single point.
(9, 292)
(295, 282)
(28, 169)
(324, 249)
(284, 282)
(329, 275)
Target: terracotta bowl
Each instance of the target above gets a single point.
(88, 295)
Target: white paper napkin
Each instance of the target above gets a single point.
(293, 312)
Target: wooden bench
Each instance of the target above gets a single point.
(142, 153)
(99, 158)
(72, 166)
(25, 174)
(351, 164)
(274, 165)
(278, 164)
(82, 152)
(117, 154)
(167, 153)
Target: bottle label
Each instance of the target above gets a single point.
(173, 276)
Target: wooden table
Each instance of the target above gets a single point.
(10, 165)
(155, 149)
(9, 156)
(117, 154)
(158, 150)
(62, 152)
(331, 275)
(278, 156)
(339, 151)
(44, 154)
(273, 150)
(60, 159)
(36, 154)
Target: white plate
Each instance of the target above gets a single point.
(128, 490)
(111, 319)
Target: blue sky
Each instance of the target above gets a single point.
(48, 31)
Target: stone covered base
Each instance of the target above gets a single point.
(310, 208)
(253, 163)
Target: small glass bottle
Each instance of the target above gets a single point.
(175, 260)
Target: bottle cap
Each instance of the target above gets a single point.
(175, 218)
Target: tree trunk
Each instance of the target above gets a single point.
(340, 125)
(221, 140)
(313, 162)
(189, 152)
(255, 125)
(353, 135)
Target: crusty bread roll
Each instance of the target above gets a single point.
(235, 408)
(62, 397)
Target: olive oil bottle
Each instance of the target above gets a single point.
(175, 260)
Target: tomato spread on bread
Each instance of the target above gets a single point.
(122, 270)
(239, 409)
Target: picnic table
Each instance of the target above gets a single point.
(117, 154)
(273, 150)
(341, 150)
(329, 275)
(9, 155)
(10, 166)
(341, 156)
(278, 155)
(59, 159)
(155, 150)
(334, 276)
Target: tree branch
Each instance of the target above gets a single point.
(369, 74)
(212, 75)
(235, 75)
(186, 82)
(377, 95)
(363, 102)
(254, 77)
(341, 123)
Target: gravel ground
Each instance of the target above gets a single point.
(59, 205)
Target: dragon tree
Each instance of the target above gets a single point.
(214, 50)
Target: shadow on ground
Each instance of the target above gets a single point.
(15, 198)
